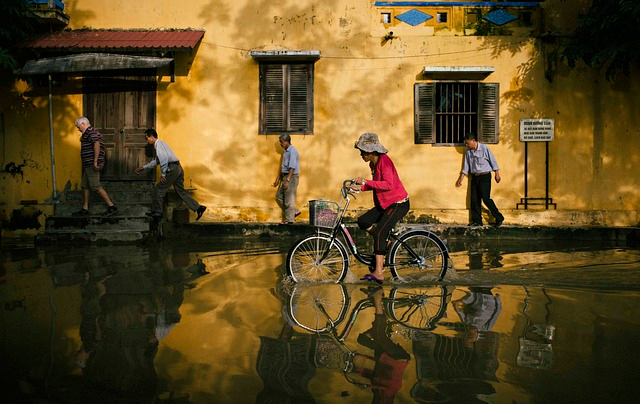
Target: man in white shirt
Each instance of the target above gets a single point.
(172, 174)
(479, 163)
(287, 180)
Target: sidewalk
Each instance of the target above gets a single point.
(629, 235)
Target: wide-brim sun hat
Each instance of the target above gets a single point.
(369, 143)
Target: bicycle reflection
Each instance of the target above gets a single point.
(377, 363)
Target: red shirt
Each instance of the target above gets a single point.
(386, 185)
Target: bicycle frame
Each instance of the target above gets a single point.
(341, 229)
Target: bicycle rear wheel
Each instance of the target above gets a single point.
(318, 308)
(418, 255)
(418, 308)
(317, 258)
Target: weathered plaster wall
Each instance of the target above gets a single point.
(362, 83)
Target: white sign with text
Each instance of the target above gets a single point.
(536, 130)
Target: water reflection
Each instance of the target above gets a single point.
(189, 336)
(130, 300)
(125, 315)
(376, 361)
(536, 350)
(371, 342)
(461, 366)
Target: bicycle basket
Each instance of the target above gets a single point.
(323, 213)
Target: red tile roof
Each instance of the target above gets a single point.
(103, 40)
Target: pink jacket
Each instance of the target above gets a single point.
(386, 185)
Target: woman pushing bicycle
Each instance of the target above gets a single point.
(390, 198)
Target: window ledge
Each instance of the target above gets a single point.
(458, 72)
(286, 56)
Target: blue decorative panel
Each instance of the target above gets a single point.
(414, 17)
(499, 17)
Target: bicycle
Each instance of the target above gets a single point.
(414, 254)
(321, 308)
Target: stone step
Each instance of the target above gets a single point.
(98, 209)
(133, 198)
(77, 235)
(97, 223)
(119, 196)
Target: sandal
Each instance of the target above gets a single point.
(370, 277)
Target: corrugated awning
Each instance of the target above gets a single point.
(118, 40)
(87, 62)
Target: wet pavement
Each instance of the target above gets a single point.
(214, 322)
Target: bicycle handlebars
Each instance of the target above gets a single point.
(347, 188)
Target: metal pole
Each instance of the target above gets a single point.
(526, 184)
(546, 194)
(53, 159)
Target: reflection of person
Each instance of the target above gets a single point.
(478, 309)
(172, 174)
(92, 153)
(390, 198)
(125, 315)
(390, 358)
(460, 369)
(287, 180)
(118, 340)
(479, 162)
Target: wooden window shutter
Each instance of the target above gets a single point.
(423, 99)
(488, 112)
(300, 101)
(286, 92)
(273, 98)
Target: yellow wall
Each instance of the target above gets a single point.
(362, 83)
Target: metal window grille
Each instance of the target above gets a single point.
(456, 111)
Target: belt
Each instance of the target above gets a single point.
(174, 162)
(404, 200)
(479, 174)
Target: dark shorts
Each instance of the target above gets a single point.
(90, 178)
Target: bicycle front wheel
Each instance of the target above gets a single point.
(418, 255)
(317, 258)
(318, 308)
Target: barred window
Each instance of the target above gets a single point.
(286, 98)
(446, 111)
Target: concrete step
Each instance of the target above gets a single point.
(133, 198)
(76, 235)
(98, 209)
(59, 229)
(97, 223)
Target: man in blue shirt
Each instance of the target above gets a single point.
(479, 162)
(287, 180)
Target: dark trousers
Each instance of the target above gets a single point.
(385, 219)
(481, 192)
(175, 178)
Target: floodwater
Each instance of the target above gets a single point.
(214, 322)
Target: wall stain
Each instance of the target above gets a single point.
(14, 169)
(23, 218)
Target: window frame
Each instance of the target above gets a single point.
(488, 112)
(286, 97)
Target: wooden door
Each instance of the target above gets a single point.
(122, 108)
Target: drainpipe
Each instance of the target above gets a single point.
(53, 159)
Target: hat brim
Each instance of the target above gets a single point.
(372, 148)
